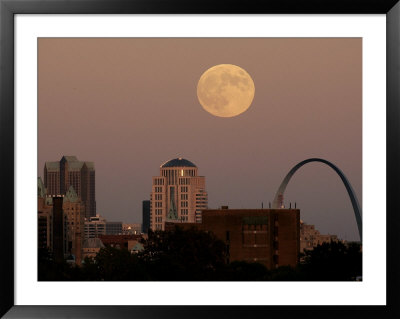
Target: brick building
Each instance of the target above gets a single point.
(267, 236)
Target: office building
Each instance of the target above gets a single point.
(45, 218)
(95, 226)
(145, 216)
(267, 236)
(74, 212)
(69, 171)
(178, 194)
(72, 215)
(59, 236)
(113, 228)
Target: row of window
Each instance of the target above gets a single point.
(184, 204)
(158, 204)
(184, 181)
(184, 189)
(184, 196)
(158, 189)
(158, 197)
(158, 181)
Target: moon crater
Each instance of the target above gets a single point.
(225, 90)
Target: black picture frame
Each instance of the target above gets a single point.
(8, 8)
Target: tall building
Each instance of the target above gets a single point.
(145, 216)
(45, 218)
(267, 236)
(177, 194)
(70, 216)
(69, 171)
(58, 229)
(74, 211)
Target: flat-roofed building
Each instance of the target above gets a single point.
(113, 228)
(267, 236)
(69, 171)
(95, 226)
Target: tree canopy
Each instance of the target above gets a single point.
(194, 255)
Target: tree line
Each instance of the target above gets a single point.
(193, 255)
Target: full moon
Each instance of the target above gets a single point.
(225, 90)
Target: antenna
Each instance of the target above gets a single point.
(262, 205)
(269, 205)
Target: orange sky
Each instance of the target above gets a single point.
(130, 104)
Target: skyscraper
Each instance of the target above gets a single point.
(59, 176)
(178, 194)
(70, 216)
(145, 216)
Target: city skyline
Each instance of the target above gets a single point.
(130, 104)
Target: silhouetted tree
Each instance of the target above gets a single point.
(183, 255)
(333, 261)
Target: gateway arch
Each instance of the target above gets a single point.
(356, 207)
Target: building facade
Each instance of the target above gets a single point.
(145, 216)
(95, 226)
(74, 211)
(177, 194)
(91, 247)
(69, 171)
(131, 229)
(267, 236)
(60, 222)
(113, 228)
(45, 218)
(310, 237)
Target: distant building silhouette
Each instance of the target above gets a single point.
(177, 194)
(113, 228)
(145, 216)
(59, 176)
(133, 228)
(310, 237)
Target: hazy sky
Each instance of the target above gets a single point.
(131, 104)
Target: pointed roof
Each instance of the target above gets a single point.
(41, 189)
(71, 195)
(52, 166)
(69, 158)
(93, 243)
(89, 165)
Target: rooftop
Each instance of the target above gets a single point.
(178, 162)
